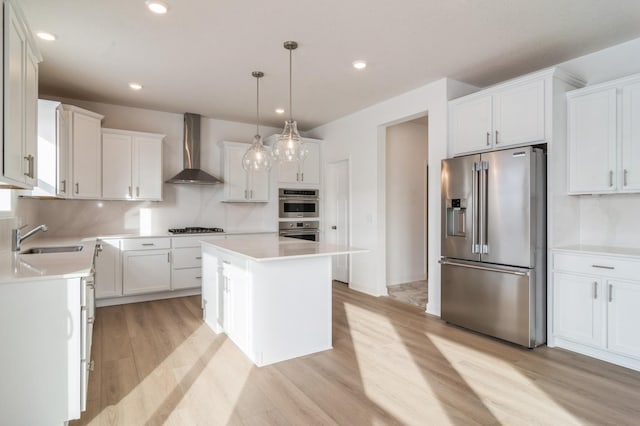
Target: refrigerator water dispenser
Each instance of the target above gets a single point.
(456, 217)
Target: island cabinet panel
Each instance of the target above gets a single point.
(272, 310)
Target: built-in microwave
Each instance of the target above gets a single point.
(295, 203)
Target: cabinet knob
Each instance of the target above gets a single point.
(496, 137)
(488, 136)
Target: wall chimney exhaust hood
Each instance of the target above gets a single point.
(191, 160)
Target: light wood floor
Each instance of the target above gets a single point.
(156, 363)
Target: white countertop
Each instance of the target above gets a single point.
(601, 250)
(170, 235)
(30, 267)
(269, 248)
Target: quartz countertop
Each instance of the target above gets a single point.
(633, 252)
(269, 248)
(15, 267)
(170, 235)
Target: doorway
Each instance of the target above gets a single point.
(337, 215)
(406, 164)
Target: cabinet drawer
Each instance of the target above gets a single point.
(186, 278)
(193, 241)
(145, 243)
(188, 257)
(596, 265)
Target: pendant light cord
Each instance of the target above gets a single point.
(290, 90)
(257, 105)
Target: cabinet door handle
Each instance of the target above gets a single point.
(488, 136)
(626, 173)
(137, 192)
(496, 137)
(198, 278)
(610, 177)
(64, 186)
(595, 289)
(77, 188)
(91, 365)
(603, 267)
(130, 193)
(246, 194)
(251, 192)
(32, 166)
(169, 257)
(198, 257)
(302, 177)
(226, 262)
(148, 244)
(610, 292)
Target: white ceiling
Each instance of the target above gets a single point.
(199, 57)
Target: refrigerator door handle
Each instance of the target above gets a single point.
(474, 208)
(483, 268)
(484, 182)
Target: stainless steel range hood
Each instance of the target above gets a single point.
(192, 173)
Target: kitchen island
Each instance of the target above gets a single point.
(271, 295)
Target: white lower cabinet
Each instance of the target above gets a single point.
(146, 271)
(579, 313)
(108, 276)
(624, 317)
(186, 262)
(46, 350)
(596, 301)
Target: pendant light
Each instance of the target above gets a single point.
(257, 158)
(289, 147)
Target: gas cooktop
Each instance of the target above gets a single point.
(194, 230)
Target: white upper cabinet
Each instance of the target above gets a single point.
(512, 113)
(470, 125)
(604, 137)
(131, 165)
(86, 155)
(518, 114)
(630, 150)
(302, 174)
(241, 185)
(19, 109)
(592, 142)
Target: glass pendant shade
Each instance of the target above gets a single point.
(257, 158)
(289, 146)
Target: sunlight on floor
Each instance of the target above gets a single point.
(514, 386)
(190, 372)
(403, 391)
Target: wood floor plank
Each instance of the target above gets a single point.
(157, 363)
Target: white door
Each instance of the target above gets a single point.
(470, 126)
(337, 215)
(145, 271)
(518, 114)
(624, 317)
(87, 161)
(116, 166)
(592, 142)
(108, 281)
(578, 309)
(147, 168)
(631, 138)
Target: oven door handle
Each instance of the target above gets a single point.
(293, 199)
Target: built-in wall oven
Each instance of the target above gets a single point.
(298, 203)
(304, 230)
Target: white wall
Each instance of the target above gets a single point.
(361, 137)
(406, 201)
(183, 205)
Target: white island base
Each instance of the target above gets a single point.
(271, 296)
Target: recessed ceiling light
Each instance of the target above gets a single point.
(157, 6)
(359, 65)
(279, 111)
(135, 86)
(46, 36)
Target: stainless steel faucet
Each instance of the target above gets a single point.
(17, 238)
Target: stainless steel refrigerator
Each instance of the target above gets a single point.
(494, 244)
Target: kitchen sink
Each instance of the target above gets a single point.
(53, 249)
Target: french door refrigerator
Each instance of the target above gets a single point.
(494, 244)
